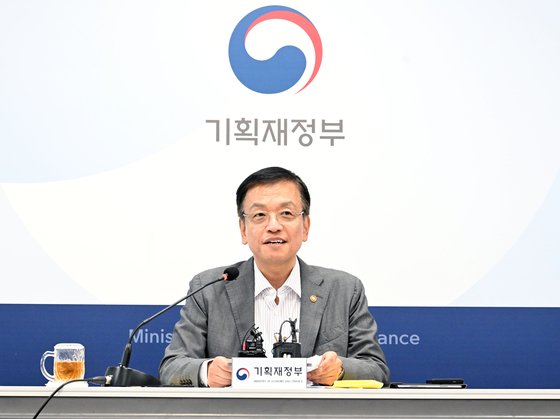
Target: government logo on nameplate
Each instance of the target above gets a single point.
(277, 373)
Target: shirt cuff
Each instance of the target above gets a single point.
(203, 373)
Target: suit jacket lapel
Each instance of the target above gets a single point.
(310, 312)
(241, 294)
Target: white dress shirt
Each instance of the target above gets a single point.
(269, 315)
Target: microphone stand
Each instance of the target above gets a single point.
(123, 376)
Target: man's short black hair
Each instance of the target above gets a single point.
(269, 176)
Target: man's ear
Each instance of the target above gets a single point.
(306, 225)
(242, 229)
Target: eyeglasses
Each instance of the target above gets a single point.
(262, 217)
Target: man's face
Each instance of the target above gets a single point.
(274, 244)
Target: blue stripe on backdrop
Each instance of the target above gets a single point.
(488, 347)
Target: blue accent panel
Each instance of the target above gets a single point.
(29, 330)
(488, 347)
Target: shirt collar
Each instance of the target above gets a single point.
(293, 281)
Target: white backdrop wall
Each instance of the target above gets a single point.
(443, 191)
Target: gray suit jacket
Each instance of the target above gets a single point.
(214, 322)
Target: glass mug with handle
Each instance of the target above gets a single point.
(69, 362)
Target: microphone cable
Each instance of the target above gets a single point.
(101, 380)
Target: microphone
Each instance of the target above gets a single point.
(284, 349)
(122, 376)
(252, 344)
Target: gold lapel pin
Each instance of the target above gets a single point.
(313, 298)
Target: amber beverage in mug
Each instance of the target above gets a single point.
(69, 362)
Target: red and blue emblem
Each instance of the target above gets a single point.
(286, 67)
(242, 374)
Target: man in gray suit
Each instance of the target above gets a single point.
(334, 321)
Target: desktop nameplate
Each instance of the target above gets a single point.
(271, 373)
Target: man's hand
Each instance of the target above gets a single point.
(219, 372)
(328, 370)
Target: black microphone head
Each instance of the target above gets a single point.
(232, 273)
